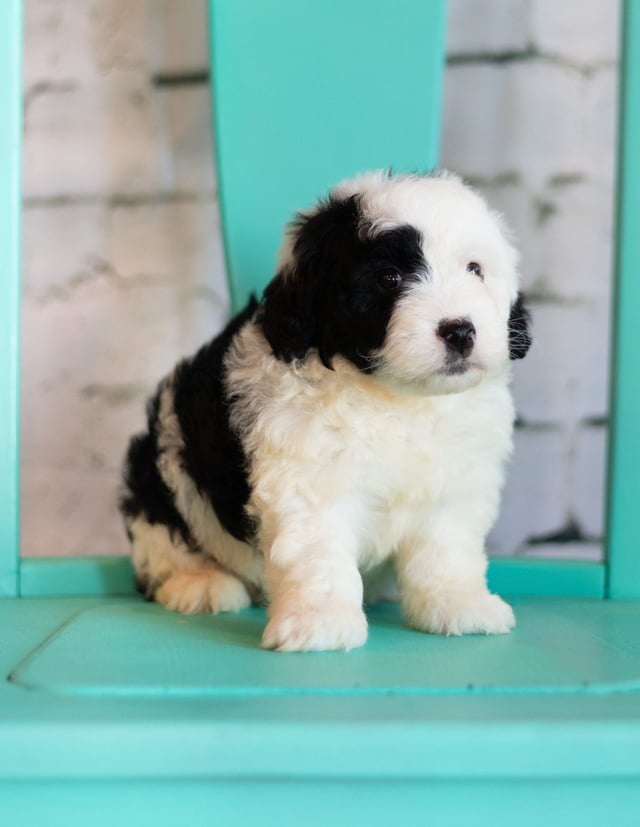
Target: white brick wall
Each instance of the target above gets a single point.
(122, 257)
(587, 34)
(529, 116)
(123, 266)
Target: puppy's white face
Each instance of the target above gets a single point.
(449, 324)
(411, 278)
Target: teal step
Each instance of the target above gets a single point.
(78, 670)
(113, 710)
(129, 649)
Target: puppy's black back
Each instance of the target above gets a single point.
(212, 454)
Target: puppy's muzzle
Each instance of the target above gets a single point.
(459, 335)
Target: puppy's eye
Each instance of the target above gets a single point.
(388, 282)
(474, 267)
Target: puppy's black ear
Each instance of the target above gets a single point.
(519, 335)
(287, 315)
(297, 306)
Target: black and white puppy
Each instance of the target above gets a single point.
(358, 419)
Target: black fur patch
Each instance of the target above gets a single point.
(519, 334)
(330, 297)
(212, 455)
(145, 491)
(143, 587)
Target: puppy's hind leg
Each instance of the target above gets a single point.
(168, 572)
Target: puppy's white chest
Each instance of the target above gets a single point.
(399, 467)
(385, 471)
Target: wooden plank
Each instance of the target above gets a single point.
(592, 731)
(623, 544)
(306, 94)
(357, 802)
(526, 576)
(10, 206)
(50, 576)
(127, 648)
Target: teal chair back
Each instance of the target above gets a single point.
(307, 93)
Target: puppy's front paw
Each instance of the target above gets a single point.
(298, 628)
(481, 613)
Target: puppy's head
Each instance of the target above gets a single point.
(411, 279)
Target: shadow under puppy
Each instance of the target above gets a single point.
(358, 418)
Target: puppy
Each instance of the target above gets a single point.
(358, 418)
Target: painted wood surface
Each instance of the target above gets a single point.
(624, 449)
(283, 802)
(10, 207)
(304, 98)
(131, 649)
(57, 576)
(540, 724)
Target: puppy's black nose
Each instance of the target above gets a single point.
(459, 335)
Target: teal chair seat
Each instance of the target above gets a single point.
(113, 710)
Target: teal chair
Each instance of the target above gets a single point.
(116, 711)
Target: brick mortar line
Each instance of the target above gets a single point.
(120, 199)
(64, 291)
(585, 423)
(173, 80)
(541, 299)
(529, 55)
(200, 77)
(46, 87)
(558, 181)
